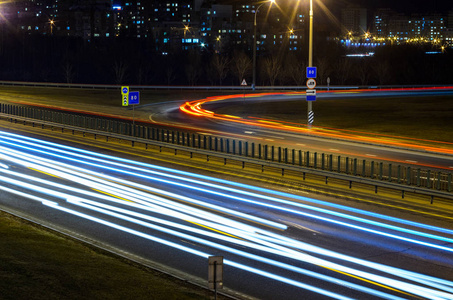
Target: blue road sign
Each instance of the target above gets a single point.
(125, 90)
(311, 72)
(134, 97)
(311, 95)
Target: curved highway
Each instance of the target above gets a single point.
(201, 116)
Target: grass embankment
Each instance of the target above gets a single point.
(38, 264)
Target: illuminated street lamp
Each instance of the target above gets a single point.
(52, 24)
(254, 44)
(186, 28)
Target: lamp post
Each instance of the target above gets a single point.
(254, 44)
(310, 62)
(52, 24)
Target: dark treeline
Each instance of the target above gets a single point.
(136, 61)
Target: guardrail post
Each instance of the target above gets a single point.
(449, 183)
(246, 149)
(228, 146)
(253, 150)
(293, 156)
(439, 175)
(300, 157)
(428, 179)
(418, 177)
(205, 143)
(322, 161)
(216, 147)
(315, 160)
(381, 171)
(272, 153)
(234, 146)
(266, 152)
(240, 148)
(339, 164)
(330, 162)
(372, 170)
(210, 143)
(168, 136)
(355, 167)
(363, 168)
(399, 174)
(408, 176)
(390, 173)
(307, 160)
(286, 155)
(347, 165)
(259, 151)
(279, 154)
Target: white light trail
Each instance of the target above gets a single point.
(180, 215)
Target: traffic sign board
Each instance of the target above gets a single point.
(134, 98)
(243, 82)
(311, 72)
(125, 95)
(311, 83)
(125, 99)
(311, 95)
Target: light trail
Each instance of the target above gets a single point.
(87, 185)
(194, 108)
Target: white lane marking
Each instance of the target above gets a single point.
(300, 144)
(270, 140)
(334, 149)
(249, 132)
(371, 155)
(411, 161)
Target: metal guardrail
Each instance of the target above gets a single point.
(378, 174)
(189, 87)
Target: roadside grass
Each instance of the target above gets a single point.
(38, 264)
(421, 117)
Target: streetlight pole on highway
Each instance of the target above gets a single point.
(310, 113)
(254, 44)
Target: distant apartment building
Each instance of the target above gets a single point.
(396, 27)
(354, 21)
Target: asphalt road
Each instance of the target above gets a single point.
(384, 148)
(275, 244)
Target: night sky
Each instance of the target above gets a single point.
(403, 6)
(440, 6)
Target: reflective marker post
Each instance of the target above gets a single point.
(215, 273)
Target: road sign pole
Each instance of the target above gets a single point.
(215, 273)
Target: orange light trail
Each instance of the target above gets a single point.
(195, 108)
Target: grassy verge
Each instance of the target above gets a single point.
(422, 117)
(38, 264)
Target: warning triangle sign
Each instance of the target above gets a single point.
(243, 82)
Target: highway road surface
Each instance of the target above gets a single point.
(275, 244)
